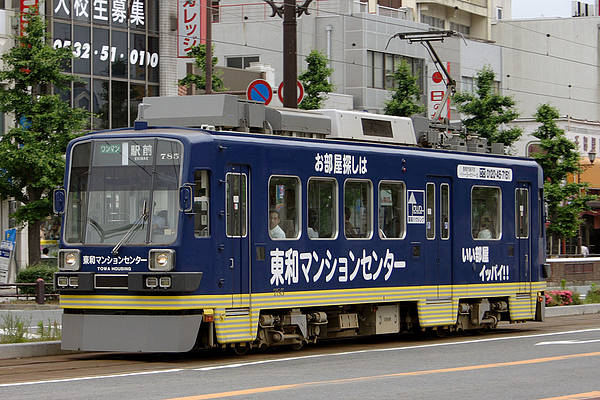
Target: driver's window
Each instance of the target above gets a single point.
(164, 216)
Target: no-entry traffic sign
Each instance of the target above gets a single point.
(259, 90)
(300, 92)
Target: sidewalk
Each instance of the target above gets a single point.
(51, 312)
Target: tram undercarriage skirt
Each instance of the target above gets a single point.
(131, 333)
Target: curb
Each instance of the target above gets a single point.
(35, 349)
(561, 311)
(38, 349)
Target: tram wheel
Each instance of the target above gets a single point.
(297, 346)
(240, 349)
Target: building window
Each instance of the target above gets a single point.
(216, 11)
(433, 21)
(381, 68)
(498, 13)
(467, 84)
(460, 28)
(378, 70)
(116, 58)
(242, 62)
(486, 213)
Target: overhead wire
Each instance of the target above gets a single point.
(344, 62)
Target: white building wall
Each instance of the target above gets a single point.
(168, 49)
(553, 60)
(585, 134)
(474, 55)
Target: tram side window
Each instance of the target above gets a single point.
(236, 200)
(522, 213)
(445, 211)
(357, 208)
(392, 203)
(430, 209)
(201, 204)
(543, 210)
(322, 208)
(486, 212)
(284, 207)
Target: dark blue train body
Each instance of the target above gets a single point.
(169, 240)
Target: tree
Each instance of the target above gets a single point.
(405, 98)
(32, 152)
(486, 111)
(198, 52)
(558, 158)
(315, 82)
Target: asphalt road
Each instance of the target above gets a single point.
(560, 357)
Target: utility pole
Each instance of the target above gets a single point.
(289, 11)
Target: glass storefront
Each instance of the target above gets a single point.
(115, 55)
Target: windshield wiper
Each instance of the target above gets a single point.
(129, 234)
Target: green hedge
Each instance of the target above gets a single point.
(31, 275)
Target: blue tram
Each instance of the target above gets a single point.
(180, 238)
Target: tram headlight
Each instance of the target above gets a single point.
(62, 281)
(165, 282)
(161, 259)
(68, 260)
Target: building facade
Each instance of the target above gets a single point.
(359, 45)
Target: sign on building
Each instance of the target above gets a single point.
(191, 26)
(27, 7)
(436, 90)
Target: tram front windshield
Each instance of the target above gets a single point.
(123, 189)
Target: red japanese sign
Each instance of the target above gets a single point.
(27, 7)
(191, 25)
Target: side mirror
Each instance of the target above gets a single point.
(58, 200)
(185, 198)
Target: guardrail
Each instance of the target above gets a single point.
(40, 294)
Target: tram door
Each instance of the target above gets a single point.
(237, 231)
(438, 234)
(522, 235)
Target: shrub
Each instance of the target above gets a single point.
(593, 295)
(32, 273)
(559, 298)
(576, 299)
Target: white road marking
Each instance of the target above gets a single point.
(250, 363)
(568, 342)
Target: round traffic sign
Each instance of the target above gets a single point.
(259, 90)
(300, 92)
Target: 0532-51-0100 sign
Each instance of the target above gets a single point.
(105, 52)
